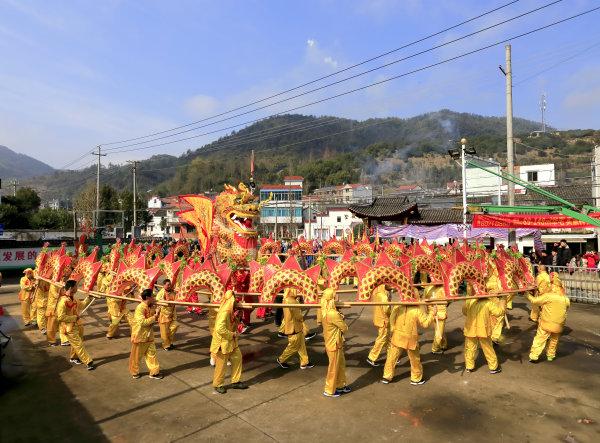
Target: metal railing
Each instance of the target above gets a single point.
(581, 284)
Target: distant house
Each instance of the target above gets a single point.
(282, 215)
(346, 193)
(164, 221)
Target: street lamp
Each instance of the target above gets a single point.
(456, 154)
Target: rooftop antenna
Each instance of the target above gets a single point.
(543, 104)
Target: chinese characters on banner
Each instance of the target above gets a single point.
(18, 257)
(540, 221)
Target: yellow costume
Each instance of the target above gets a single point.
(224, 344)
(553, 306)
(51, 320)
(478, 330)
(404, 322)
(27, 286)
(41, 301)
(381, 320)
(334, 329)
(142, 341)
(543, 286)
(293, 326)
(167, 319)
(493, 284)
(440, 343)
(117, 309)
(67, 313)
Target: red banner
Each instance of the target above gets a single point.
(541, 221)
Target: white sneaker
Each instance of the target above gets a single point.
(228, 363)
(212, 361)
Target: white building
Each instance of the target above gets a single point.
(282, 215)
(336, 222)
(164, 222)
(541, 175)
(346, 193)
(480, 182)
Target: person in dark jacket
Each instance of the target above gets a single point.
(564, 254)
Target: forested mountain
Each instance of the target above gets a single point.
(17, 166)
(331, 150)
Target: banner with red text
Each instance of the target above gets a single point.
(539, 221)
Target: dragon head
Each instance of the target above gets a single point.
(236, 209)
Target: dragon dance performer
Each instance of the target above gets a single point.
(167, 320)
(294, 328)
(440, 343)
(117, 310)
(27, 287)
(543, 285)
(493, 284)
(142, 337)
(41, 302)
(334, 328)
(405, 321)
(553, 305)
(224, 345)
(381, 320)
(51, 320)
(478, 331)
(67, 313)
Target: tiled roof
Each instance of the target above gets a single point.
(580, 195)
(293, 177)
(431, 216)
(279, 187)
(391, 208)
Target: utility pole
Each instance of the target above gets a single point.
(99, 154)
(134, 170)
(543, 110)
(596, 184)
(510, 147)
(463, 165)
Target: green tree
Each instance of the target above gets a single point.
(48, 218)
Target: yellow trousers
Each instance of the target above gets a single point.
(33, 310)
(394, 353)
(51, 328)
(336, 371)
(75, 338)
(115, 321)
(62, 333)
(167, 333)
(509, 301)
(383, 335)
(26, 311)
(221, 360)
(42, 303)
(439, 337)
(471, 348)
(296, 345)
(539, 343)
(146, 350)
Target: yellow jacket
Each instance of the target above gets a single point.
(405, 321)
(143, 320)
(41, 292)
(293, 320)
(27, 286)
(433, 292)
(105, 283)
(53, 296)
(381, 314)
(224, 338)
(67, 312)
(334, 328)
(478, 312)
(168, 312)
(554, 310)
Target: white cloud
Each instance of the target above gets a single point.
(316, 55)
(331, 62)
(201, 105)
(310, 42)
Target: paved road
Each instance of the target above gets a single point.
(44, 398)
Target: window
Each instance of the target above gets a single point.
(339, 233)
(532, 176)
(339, 218)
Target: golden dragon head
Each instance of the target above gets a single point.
(236, 209)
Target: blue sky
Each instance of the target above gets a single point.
(79, 73)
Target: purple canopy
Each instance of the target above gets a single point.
(448, 230)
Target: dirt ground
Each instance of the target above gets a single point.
(44, 398)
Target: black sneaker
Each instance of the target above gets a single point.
(168, 348)
(75, 361)
(136, 376)
(158, 376)
(220, 390)
(372, 363)
(496, 371)
(470, 370)
(52, 345)
(43, 331)
(281, 335)
(90, 366)
(417, 383)
(344, 390)
(385, 381)
(531, 360)
(310, 336)
(335, 394)
(65, 343)
(282, 365)
(108, 337)
(307, 366)
(437, 352)
(239, 385)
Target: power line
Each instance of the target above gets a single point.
(328, 85)
(321, 78)
(351, 91)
